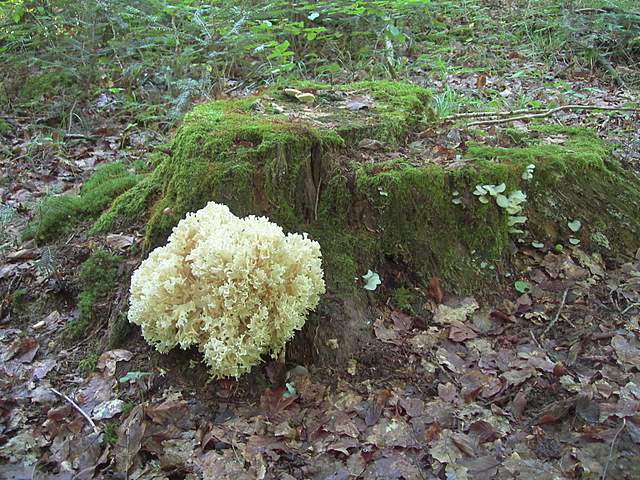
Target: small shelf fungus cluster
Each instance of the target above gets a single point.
(236, 288)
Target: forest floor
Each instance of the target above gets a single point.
(538, 382)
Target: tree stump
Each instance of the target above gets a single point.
(352, 171)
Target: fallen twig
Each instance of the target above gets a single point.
(613, 444)
(77, 407)
(629, 307)
(555, 319)
(456, 116)
(548, 113)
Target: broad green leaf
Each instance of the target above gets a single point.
(517, 197)
(502, 201)
(133, 376)
(372, 280)
(574, 226)
(521, 286)
(480, 190)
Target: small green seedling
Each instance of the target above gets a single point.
(133, 376)
(521, 286)
(527, 175)
(291, 391)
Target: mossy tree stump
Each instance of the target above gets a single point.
(300, 165)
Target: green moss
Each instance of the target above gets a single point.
(97, 278)
(397, 108)
(99, 272)
(126, 408)
(57, 215)
(128, 207)
(576, 179)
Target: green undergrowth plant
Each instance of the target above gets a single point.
(111, 433)
(403, 298)
(88, 363)
(56, 215)
(97, 278)
(595, 33)
(155, 57)
(19, 298)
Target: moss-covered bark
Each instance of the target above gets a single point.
(297, 168)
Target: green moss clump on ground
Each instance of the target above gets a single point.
(98, 275)
(57, 215)
(129, 206)
(300, 170)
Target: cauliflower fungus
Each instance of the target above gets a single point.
(236, 288)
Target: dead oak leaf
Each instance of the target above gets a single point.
(275, 400)
(459, 332)
(108, 360)
(456, 311)
(393, 432)
(130, 436)
(435, 290)
(627, 351)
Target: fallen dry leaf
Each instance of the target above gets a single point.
(434, 290)
(130, 436)
(109, 359)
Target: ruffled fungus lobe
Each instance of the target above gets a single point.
(236, 288)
